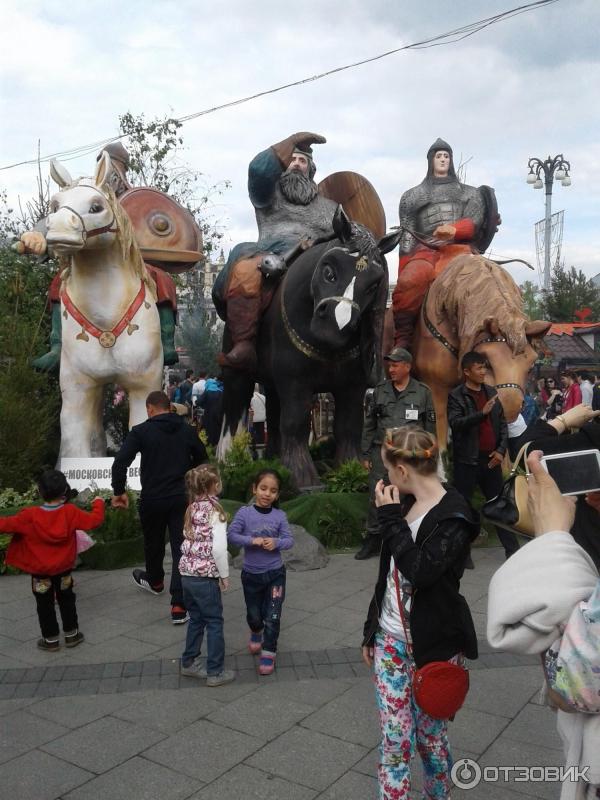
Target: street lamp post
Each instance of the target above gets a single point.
(551, 168)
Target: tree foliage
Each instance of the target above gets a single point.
(154, 148)
(202, 342)
(29, 401)
(532, 300)
(570, 291)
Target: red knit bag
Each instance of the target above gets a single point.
(440, 687)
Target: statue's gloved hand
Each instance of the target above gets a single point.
(285, 148)
(306, 137)
(445, 232)
(34, 242)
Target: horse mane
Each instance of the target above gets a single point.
(470, 292)
(130, 251)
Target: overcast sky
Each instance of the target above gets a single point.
(525, 87)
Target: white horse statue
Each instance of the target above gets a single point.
(110, 322)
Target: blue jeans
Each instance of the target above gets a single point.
(202, 598)
(264, 593)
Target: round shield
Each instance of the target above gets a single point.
(165, 231)
(358, 199)
(491, 219)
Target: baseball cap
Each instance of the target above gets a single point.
(399, 354)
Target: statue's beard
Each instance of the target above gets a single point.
(298, 188)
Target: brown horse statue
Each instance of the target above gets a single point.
(474, 304)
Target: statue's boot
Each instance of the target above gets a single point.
(404, 328)
(50, 362)
(242, 323)
(167, 334)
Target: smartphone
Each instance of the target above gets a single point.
(574, 473)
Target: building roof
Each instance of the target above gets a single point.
(573, 328)
(569, 347)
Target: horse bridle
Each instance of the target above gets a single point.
(95, 231)
(304, 347)
(452, 349)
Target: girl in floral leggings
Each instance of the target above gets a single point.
(426, 531)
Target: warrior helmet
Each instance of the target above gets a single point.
(438, 145)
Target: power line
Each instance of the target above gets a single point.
(450, 37)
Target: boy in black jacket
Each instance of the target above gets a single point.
(169, 448)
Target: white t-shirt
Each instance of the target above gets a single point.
(390, 620)
(259, 408)
(198, 390)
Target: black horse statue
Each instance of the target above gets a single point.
(321, 333)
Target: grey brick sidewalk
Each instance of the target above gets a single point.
(113, 718)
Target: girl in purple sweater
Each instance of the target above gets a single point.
(263, 531)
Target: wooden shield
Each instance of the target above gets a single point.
(165, 231)
(358, 199)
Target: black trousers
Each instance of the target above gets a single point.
(48, 589)
(468, 476)
(157, 515)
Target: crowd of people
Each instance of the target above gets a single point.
(422, 527)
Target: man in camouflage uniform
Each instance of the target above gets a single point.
(399, 401)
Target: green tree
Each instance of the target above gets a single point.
(29, 401)
(154, 148)
(202, 342)
(532, 300)
(570, 291)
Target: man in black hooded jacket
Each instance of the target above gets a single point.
(169, 448)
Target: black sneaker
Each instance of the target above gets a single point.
(51, 645)
(73, 639)
(141, 579)
(371, 546)
(179, 615)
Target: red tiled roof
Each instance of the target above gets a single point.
(569, 328)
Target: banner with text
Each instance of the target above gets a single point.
(95, 473)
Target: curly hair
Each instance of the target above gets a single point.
(202, 482)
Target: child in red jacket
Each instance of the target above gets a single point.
(44, 545)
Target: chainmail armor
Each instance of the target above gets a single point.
(436, 202)
(292, 222)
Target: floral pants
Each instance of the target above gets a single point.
(405, 728)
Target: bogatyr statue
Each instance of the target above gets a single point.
(169, 239)
(289, 209)
(439, 219)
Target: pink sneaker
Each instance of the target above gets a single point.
(255, 643)
(267, 663)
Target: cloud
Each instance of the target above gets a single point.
(520, 88)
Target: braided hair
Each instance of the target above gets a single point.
(412, 446)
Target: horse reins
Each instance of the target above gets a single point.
(452, 349)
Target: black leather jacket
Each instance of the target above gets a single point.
(464, 419)
(440, 621)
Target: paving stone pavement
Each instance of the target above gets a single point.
(114, 719)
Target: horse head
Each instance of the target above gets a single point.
(349, 290)
(83, 214)
(474, 304)
(511, 360)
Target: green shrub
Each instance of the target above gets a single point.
(350, 476)
(335, 519)
(238, 471)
